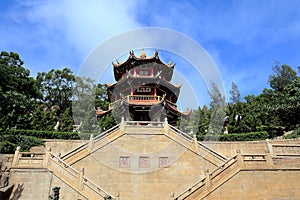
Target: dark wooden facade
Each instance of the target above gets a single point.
(143, 91)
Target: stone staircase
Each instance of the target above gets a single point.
(279, 157)
(92, 145)
(75, 179)
(138, 128)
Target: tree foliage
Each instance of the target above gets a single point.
(17, 92)
(217, 109)
(235, 95)
(281, 77)
(58, 100)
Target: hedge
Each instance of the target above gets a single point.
(262, 135)
(42, 134)
(7, 147)
(244, 136)
(8, 143)
(11, 138)
(294, 134)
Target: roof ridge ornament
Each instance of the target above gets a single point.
(143, 54)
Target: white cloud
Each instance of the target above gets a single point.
(63, 30)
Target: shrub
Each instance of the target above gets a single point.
(43, 134)
(294, 134)
(11, 138)
(10, 142)
(7, 147)
(244, 136)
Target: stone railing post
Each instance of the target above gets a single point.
(269, 147)
(269, 160)
(80, 178)
(207, 180)
(16, 157)
(122, 124)
(195, 143)
(47, 157)
(240, 159)
(166, 125)
(91, 142)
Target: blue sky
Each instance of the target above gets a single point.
(242, 37)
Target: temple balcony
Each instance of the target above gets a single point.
(143, 100)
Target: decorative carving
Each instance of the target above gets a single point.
(124, 162)
(163, 161)
(55, 194)
(144, 162)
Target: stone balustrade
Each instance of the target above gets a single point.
(57, 166)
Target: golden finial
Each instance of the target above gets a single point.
(143, 54)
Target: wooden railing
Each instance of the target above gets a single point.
(143, 98)
(137, 99)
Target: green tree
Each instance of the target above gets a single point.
(83, 104)
(217, 108)
(66, 121)
(107, 122)
(286, 105)
(56, 87)
(235, 95)
(18, 92)
(45, 118)
(281, 77)
(101, 96)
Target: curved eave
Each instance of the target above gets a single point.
(101, 113)
(186, 113)
(156, 79)
(155, 58)
(174, 109)
(132, 57)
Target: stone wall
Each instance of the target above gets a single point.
(228, 149)
(257, 184)
(130, 167)
(37, 184)
(158, 163)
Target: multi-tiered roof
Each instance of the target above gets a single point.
(143, 91)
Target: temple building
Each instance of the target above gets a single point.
(145, 157)
(143, 91)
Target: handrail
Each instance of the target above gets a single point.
(223, 167)
(285, 145)
(202, 182)
(81, 147)
(180, 132)
(211, 176)
(75, 173)
(212, 151)
(147, 123)
(64, 165)
(95, 187)
(142, 98)
(107, 131)
(74, 150)
(31, 154)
